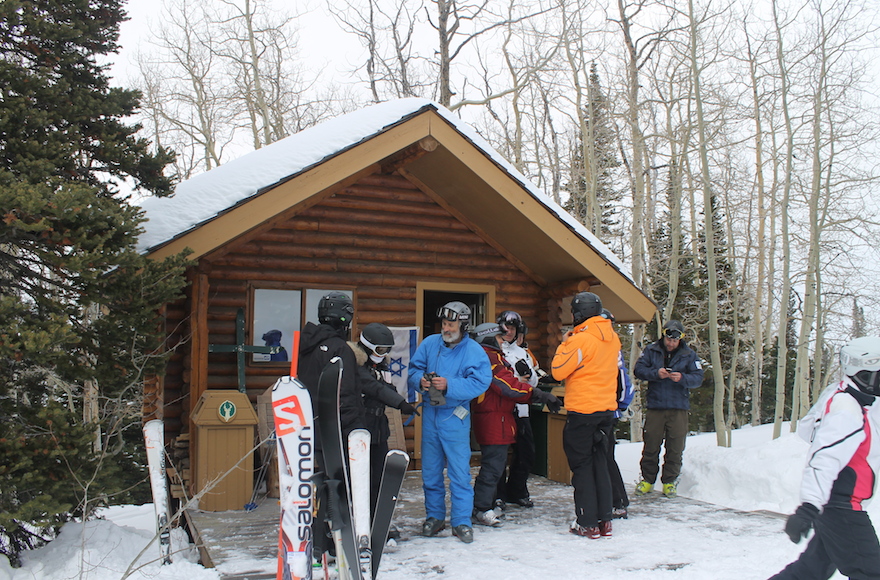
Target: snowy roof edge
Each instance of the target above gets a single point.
(402, 111)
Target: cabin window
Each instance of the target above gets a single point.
(277, 313)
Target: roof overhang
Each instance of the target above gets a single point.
(463, 177)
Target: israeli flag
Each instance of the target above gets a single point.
(406, 339)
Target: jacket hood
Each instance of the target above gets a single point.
(597, 326)
(313, 335)
(359, 354)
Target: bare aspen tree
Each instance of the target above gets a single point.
(760, 256)
(782, 348)
(181, 89)
(722, 431)
(637, 51)
(387, 34)
(255, 48)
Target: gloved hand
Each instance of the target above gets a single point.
(800, 522)
(407, 409)
(546, 398)
(522, 369)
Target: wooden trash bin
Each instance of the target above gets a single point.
(225, 423)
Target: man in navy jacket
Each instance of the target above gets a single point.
(672, 369)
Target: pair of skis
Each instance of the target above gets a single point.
(358, 543)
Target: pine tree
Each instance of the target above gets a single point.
(701, 402)
(608, 197)
(79, 305)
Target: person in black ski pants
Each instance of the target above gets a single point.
(840, 473)
(318, 345)
(371, 351)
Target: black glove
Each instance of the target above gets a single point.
(407, 409)
(545, 398)
(799, 523)
(522, 368)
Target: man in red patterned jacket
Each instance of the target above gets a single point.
(494, 422)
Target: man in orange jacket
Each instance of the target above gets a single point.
(587, 361)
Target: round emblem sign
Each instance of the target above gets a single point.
(226, 410)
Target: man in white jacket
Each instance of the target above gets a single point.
(841, 471)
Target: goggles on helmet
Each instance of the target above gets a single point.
(869, 361)
(379, 349)
(672, 333)
(450, 314)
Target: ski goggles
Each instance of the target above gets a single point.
(672, 333)
(450, 314)
(380, 350)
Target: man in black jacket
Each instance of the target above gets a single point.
(320, 343)
(672, 369)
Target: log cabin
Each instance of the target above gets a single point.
(402, 205)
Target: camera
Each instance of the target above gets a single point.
(434, 395)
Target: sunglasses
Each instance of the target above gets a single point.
(672, 333)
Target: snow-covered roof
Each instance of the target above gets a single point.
(210, 194)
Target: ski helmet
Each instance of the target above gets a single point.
(607, 314)
(485, 333)
(510, 319)
(456, 311)
(585, 305)
(673, 329)
(336, 309)
(860, 360)
(376, 338)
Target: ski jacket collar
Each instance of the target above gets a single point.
(597, 326)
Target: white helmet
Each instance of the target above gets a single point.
(860, 361)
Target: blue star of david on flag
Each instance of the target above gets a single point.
(406, 339)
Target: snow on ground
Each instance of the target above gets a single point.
(679, 539)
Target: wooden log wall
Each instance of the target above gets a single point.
(380, 236)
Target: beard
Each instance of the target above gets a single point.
(451, 336)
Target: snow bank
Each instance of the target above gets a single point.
(103, 550)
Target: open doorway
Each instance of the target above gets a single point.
(480, 299)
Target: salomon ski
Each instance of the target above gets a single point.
(396, 462)
(359, 466)
(294, 433)
(154, 440)
(338, 506)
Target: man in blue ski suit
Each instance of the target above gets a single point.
(456, 369)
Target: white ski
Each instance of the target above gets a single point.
(294, 433)
(359, 471)
(154, 440)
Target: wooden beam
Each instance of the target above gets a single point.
(408, 154)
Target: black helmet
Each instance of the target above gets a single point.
(335, 309)
(456, 311)
(377, 339)
(272, 336)
(485, 333)
(510, 319)
(673, 329)
(585, 305)
(860, 361)
(607, 314)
